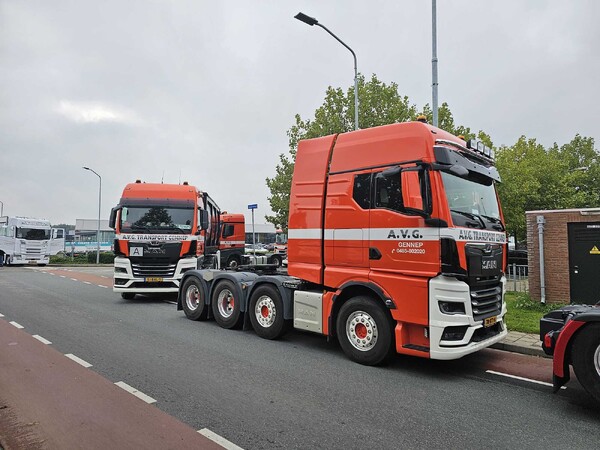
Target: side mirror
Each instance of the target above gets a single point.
(459, 171)
(203, 219)
(387, 173)
(112, 220)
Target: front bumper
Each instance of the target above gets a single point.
(476, 335)
(125, 280)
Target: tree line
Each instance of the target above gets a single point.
(533, 177)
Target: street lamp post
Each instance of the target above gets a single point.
(99, 203)
(1, 209)
(434, 61)
(312, 21)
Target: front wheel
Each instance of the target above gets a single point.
(193, 299)
(364, 331)
(276, 259)
(233, 262)
(586, 359)
(266, 312)
(225, 307)
(127, 295)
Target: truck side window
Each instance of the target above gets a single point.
(362, 190)
(388, 193)
(227, 230)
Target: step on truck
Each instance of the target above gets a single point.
(162, 231)
(571, 335)
(26, 240)
(396, 243)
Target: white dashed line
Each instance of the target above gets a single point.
(218, 439)
(515, 377)
(1, 315)
(135, 392)
(105, 287)
(41, 339)
(78, 360)
(51, 273)
(62, 276)
(17, 325)
(87, 282)
(74, 279)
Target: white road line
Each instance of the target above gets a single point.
(105, 287)
(74, 279)
(521, 378)
(41, 339)
(87, 282)
(1, 315)
(135, 392)
(78, 360)
(218, 439)
(17, 325)
(51, 273)
(62, 276)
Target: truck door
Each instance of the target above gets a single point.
(57, 242)
(403, 251)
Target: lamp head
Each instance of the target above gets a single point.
(306, 19)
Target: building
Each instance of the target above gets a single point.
(570, 267)
(265, 233)
(84, 238)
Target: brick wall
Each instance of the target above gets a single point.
(556, 251)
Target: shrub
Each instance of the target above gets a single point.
(105, 257)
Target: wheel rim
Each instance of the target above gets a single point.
(361, 330)
(265, 311)
(225, 303)
(597, 360)
(192, 297)
(233, 264)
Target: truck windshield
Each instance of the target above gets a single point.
(472, 202)
(156, 219)
(33, 234)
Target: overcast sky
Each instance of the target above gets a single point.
(204, 91)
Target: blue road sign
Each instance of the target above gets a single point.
(253, 206)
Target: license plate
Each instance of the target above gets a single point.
(32, 262)
(490, 321)
(153, 279)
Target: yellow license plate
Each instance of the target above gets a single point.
(153, 279)
(490, 321)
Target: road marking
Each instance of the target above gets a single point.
(521, 378)
(17, 325)
(74, 279)
(87, 282)
(135, 392)
(1, 315)
(78, 360)
(41, 339)
(172, 302)
(218, 439)
(62, 276)
(105, 287)
(50, 273)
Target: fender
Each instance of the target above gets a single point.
(560, 363)
(242, 281)
(198, 274)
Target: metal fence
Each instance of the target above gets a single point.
(517, 278)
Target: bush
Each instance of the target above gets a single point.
(105, 257)
(524, 314)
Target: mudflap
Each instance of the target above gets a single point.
(558, 382)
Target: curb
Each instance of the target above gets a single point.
(525, 350)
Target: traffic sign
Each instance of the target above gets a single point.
(253, 206)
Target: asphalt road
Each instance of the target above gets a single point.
(301, 391)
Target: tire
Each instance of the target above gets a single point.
(585, 355)
(225, 306)
(364, 331)
(276, 259)
(233, 262)
(192, 300)
(266, 313)
(127, 295)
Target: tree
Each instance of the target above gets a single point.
(535, 178)
(380, 104)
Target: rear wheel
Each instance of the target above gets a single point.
(266, 312)
(233, 262)
(585, 355)
(225, 307)
(364, 331)
(276, 259)
(193, 299)
(127, 295)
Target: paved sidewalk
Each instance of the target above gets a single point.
(524, 343)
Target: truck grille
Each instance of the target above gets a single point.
(486, 301)
(153, 270)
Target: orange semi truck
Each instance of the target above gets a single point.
(232, 241)
(162, 231)
(396, 243)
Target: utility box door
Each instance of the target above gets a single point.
(584, 262)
